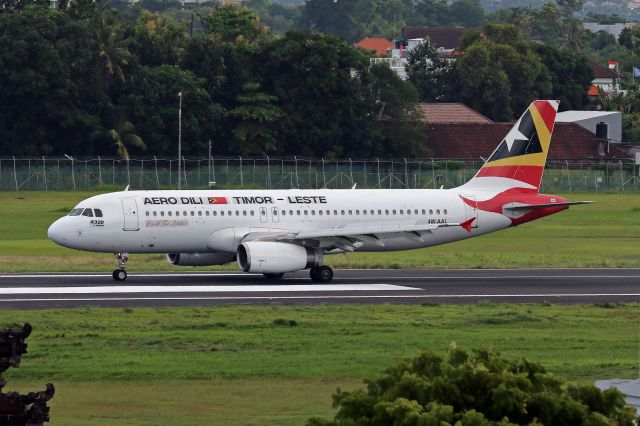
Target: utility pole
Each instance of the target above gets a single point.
(180, 140)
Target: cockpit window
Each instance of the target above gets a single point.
(97, 212)
(75, 212)
(87, 212)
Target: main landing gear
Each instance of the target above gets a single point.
(120, 274)
(321, 274)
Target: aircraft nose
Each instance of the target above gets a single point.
(56, 232)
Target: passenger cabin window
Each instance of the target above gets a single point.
(97, 212)
(75, 212)
(87, 212)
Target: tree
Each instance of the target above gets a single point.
(395, 126)
(157, 41)
(430, 74)
(571, 76)
(500, 73)
(353, 19)
(122, 137)
(234, 24)
(482, 389)
(323, 105)
(112, 51)
(484, 86)
(47, 101)
(149, 100)
(466, 13)
(252, 121)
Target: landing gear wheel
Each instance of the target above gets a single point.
(321, 274)
(119, 275)
(273, 276)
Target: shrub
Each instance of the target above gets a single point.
(482, 388)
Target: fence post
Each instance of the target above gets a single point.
(296, 169)
(268, 172)
(379, 181)
(351, 170)
(241, 175)
(73, 173)
(364, 169)
(128, 174)
(29, 174)
(324, 177)
(184, 172)
(142, 173)
(15, 176)
(406, 173)
(44, 172)
(99, 172)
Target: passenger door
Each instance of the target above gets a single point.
(130, 211)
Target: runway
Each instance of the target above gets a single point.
(49, 290)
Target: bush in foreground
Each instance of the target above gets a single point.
(476, 389)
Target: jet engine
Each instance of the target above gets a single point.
(266, 257)
(199, 259)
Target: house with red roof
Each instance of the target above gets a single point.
(381, 46)
(605, 78)
(458, 132)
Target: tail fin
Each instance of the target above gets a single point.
(518, 162)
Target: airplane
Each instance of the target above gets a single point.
(272, 232)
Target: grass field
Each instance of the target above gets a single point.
(280, 365)
(606, 234)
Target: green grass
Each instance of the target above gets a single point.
(606, 234)
(278, 364)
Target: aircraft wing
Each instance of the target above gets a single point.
(350, 238)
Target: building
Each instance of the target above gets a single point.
(590, 120)
(459, 132)
(439, 113)
(444, 40)
(381, 46)
(605, 78)
(613, 29)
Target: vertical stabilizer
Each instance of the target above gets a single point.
(518, 162)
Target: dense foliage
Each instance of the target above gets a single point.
(476, 389)
(501, 72)
(88, 78)
(80, 80)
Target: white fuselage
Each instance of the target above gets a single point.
(199, 221)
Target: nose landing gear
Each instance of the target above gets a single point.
(120, 274)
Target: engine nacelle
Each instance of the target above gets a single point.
(199, 259)
(266, 257)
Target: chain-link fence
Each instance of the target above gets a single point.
(100, 173)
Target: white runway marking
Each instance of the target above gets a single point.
(202, 289)
(540, 275)
(302, 297)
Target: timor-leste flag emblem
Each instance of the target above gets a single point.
(218, 200)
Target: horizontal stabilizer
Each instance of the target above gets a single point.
(521, 207)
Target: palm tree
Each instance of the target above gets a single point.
(122, 137)
(112, 54)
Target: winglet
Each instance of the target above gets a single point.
(467, 224)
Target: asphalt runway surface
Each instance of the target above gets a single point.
(49, 290)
